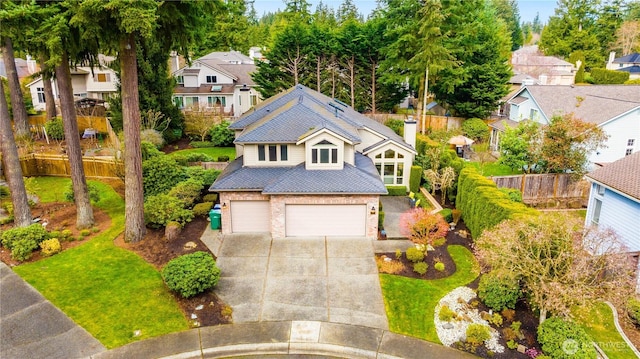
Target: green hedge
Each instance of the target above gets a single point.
(397, 190)
(414, 178)
(483, 205)
(608, 77)
(423, 142)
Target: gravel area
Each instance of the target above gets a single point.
(455, 330)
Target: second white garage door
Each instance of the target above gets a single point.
(325, 220)
(250, 216)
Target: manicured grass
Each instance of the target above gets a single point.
(597, 321)
(214, 152)
(50, 189)
(494, 169)
(107, 290)
(410, 303)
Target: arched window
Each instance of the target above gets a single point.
(390, 165)
(324, 152)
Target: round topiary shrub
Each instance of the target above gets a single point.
(498, 292)
(50, 247)
(439, 266)
(414, 254)
(55, 129)
(562, 338)
(420, 268)
(191, 274)
(477, 333)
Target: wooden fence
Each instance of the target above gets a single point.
(100, 124)
(547, 190)
(58, 165)
(427, 122)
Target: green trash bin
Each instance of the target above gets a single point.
(214, 216)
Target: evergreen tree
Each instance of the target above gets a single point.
(507, 10)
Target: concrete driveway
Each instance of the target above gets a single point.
(317, 279)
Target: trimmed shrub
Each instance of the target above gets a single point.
(608, 77)
(476, 129)
(380, 220)
(94, 193)
(633, 310)
(149, 150)
(22, 249)
(85, 232)
(207, 177)
(397, 190)
(414, 178)
(223, 158)
(152, 136)
(513, 194)
(35, 233)
(446, 214)
(191, 274)
(202, 209)
(420, 268)
(554, 334)
(162, 209)
(201, 144)
(66, 234)
(423, 142)
(160, 174)
(50, 247)
(211, 197)
(439, 266)
(55, 129)
(446, 314)
(414, 254)
(483, 205)
(477, 333)
(498, 292)
(221, 135)
(187, 191)
(396, 125)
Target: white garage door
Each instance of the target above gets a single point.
(325, 220)
(250, 216)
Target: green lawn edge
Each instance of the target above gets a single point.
(410, 303)
(598, 321)
(213, 152)
(107, 290)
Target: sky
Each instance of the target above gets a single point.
(528, 8)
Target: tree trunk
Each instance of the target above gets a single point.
(373, 87)
(49, 99)
(133, 193)
(318, 70)
(352, 83)
(13, 170)
(20, 119)
(84, 217)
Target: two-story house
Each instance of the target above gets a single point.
(219, 82)
(629, 63)
(613, 108)
(99, 82)
(309, 165)
(530, 66)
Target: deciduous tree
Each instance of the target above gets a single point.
(423, 227)
(520, 147)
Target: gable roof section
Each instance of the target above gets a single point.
(327, 112)
(622, 175)
(362, 178)
(594, 104)
(631, 58)
(635, 69)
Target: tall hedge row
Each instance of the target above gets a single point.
(608, 77)
(483, 205)
(414, 178)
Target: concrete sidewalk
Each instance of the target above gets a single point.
(283, 339)
(31, 327)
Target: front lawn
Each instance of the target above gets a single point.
(597, 321)
(494, 169)
(410, 303)
(107, 290)
(213, 152)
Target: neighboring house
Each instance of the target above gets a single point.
(629, 63)
(614, 201)
(219, 81)
(531, 67)
(99, 82)
(309, 165)
(25, 68)
(613, 108)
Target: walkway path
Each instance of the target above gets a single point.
(31, 327)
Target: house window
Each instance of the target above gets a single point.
(261, 153)
(40, 91)
(324, 152)
(102, 78)
(390, 165)
(284, 153)
(192, 101)
(600, 190)
(214, 101)
(178, 101)
(253, 99)
(597, 206)
(212, 79)
(628, 151)
(270, 152)
(273, 153)
(631, 142)
(180, 80)
(533, 114)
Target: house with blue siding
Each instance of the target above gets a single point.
(614, 201)
(613, 108)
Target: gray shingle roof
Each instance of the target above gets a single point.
(335, 114)
(631, 58)
(635, 69)
(622, 175)
(595, 104)
(359, 179)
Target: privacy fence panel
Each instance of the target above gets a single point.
(552, 189)
(58, 165)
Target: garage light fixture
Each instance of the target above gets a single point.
(224, 205)
(373, 210)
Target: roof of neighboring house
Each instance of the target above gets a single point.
(301, 111)
(622, 175)
(594, 104)
(228, 57)
(362, 178)
(22, 67)
(240, 73)
(635, 69)
(190, 71)
(629, 59)
(502, 124)
(205, 88)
